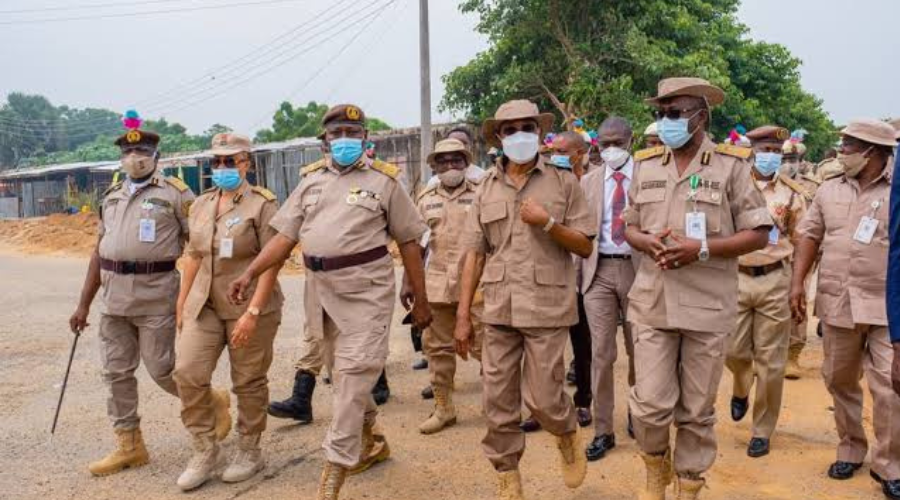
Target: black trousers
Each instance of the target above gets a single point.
(580, 335)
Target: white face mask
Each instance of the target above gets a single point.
(614, 157)
(521, 147)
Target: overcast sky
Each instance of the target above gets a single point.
(362, 53)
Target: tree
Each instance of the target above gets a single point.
(593, 59)
(290, 122)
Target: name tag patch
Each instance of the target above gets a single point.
(653, 185)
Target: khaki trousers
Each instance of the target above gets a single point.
(798, 332)
(604, 302)
(848, 354)
(314, 354)
(758, 347)
(124, 342)
(677, 378)
(439, 346)
(200, 345)
(516, 360)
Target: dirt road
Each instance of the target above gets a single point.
(40, 292)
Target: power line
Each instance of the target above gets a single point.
(143, 13)
(86, 6)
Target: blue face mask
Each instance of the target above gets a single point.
(674, 133)
(561, 161)
(346, 151)
(767, 164)
(227, 179)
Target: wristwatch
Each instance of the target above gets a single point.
(549, 225)
(254, 311)
(703, 256)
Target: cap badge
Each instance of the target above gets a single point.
(352, 113)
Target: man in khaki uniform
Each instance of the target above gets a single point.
(445, 208)
(526, 219)
(345, 213)
(757, 348)
(693, 210)
(143, 229)
(848, 223)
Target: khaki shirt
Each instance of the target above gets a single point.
(245, 220)
(445, 213)
(703, 295)
(851, 289)
(529, 279)
(342, 212)
(787, 203)
(809, 183)
(166, 201)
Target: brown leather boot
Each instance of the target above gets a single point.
(689, 489)
(375, 449)
(572, 459)
(444, 412)
(659, 476)
(509, 485)
(130, 452)
(333, 476)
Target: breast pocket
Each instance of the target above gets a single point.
(368, 203)
(246, 242)
(653, 214)
(494, 218)
(836, 215)
(709, 202)
(309, 202)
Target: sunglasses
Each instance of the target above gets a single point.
(226, 161)
(450, 160)
(507, 130)
(675, 114)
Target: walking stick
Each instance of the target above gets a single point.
(62, 391)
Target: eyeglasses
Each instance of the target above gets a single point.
(452, 161)
(227, 161)
(507, 130)
(675, 114)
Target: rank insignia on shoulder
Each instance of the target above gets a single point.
(646, 154)
(177, 184)
(312, 167)
(387, 169)
(265, 193)
(736, 151)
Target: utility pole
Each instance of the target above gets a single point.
(425, 90)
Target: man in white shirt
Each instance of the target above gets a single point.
(607, 275)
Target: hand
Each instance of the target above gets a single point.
(421, 314)
(243, 331)
(406, 295)
(179, 315)
(798, 303)
(78, 321)
(237, 290)
(654, 245)
(533, 213)
(684, 252)
(462, 336)
(895, 369)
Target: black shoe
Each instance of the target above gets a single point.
(739, 408)
(759, 447)
(299, 405)
(630, 426)
(584, 416)
(570, 376)
(381, 392)
(875, 477)
(420, 364)
(599, 446)
(842, 470)
(530, 425)
(428, 393)
(891, 489)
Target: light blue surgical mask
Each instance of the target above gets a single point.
(767, 164)
(561, 161)
(227, 179)
(346, 151)
(674, 133)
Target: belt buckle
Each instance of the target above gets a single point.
(759, 271)
(317, 264)
(128, 267)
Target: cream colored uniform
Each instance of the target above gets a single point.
(138, 321)
(529, 303)
(446, 212)
(344, 212)
(850, 302)
(209, 317)
(810, 183)
(681, 317)
(758, 347)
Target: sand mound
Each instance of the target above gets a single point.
(58, 233)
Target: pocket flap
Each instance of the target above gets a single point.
(352, 286)
(491, 212)
(493, 272)
(310, 200)
(650, 195)
(369, 202)
(545, 274)
(712, 196)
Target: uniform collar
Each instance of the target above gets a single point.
(362, 163)
(708, 147)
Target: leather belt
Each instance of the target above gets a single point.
(130, 267)
(617, 256)
(757, 271)
(317, 264)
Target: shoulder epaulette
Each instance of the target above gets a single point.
(477, 180)
(210, 190)
(312, 167)
(812, 179)
(265, 193)
(736, 151)
(177, 183)
(796, 187)
(387, 169)
(114, 187)
(646, 154)
(428, 190)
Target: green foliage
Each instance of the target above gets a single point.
(592, 59)
(303, 121)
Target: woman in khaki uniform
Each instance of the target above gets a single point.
(229, 226)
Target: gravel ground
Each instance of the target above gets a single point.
(40, 293)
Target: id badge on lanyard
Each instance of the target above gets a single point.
(695, 222)
(226, 244)
(865, 231)
(147, 227)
